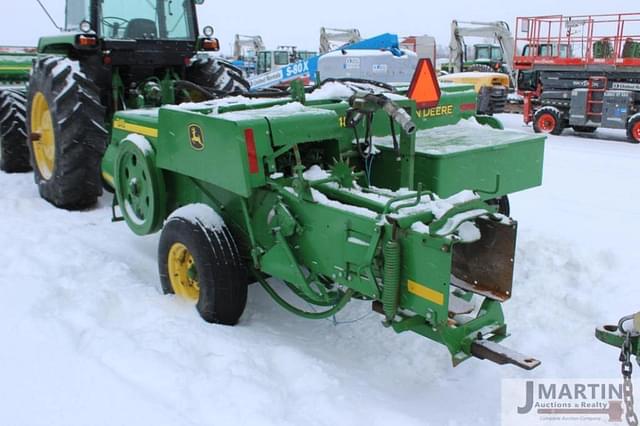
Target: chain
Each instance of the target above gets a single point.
(627, 370)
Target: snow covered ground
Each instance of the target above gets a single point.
(88, 338)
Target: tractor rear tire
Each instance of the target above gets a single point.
(218, 76)
(66, 124)
(548, 120)
(633, 129)
(479, 68)
(200, 261)
(14, 153)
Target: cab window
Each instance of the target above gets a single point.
(281, 58)
(147, 19)
(76, 12)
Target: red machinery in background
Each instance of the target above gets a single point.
(580, 71)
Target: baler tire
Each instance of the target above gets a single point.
(218, 76)
(14, 153)
(633, 130)
(77, 127)
(221, 274)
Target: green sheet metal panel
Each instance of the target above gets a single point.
(426, 275)
(212, 149)
(449, 160)
(15, 64)
(293, 123)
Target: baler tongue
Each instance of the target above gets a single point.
(491, 351)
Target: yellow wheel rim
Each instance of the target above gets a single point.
(44, 141)
(182, 272)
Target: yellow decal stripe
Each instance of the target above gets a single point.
(108, 178)
(134, 128)
(426, 293)
(8, 68)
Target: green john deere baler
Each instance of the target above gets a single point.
(15, 66)
(333, 193)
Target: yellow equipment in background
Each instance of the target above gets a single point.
(492, 89)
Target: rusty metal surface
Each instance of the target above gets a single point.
(486, 266)
(494, 352)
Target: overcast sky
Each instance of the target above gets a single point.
(298, 23)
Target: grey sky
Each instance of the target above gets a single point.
(298, 23)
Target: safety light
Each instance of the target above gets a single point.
(208, 31)
(211, 44)
(85, 26)
(87, 41)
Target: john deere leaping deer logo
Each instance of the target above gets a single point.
(196, 137)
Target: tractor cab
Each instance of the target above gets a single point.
(488, 53)
(126, 20)
(148, 33)
(271, 60)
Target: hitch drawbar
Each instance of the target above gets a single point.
(491, 351)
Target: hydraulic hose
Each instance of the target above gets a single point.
(399, 115)
(188, 85)
(304, 314)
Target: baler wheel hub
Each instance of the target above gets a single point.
(139, 188)
(133, 187)
(183, 272)
(44, 140)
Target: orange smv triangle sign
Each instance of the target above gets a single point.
(424, 88)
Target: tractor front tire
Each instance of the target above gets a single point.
(633, 129)
(200, 261)
(14, 153)
(218, 76)
(67, 134)
(548, 120)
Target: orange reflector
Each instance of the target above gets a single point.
(252, 154)
(87, 41)
(211, 44)
(424, 88)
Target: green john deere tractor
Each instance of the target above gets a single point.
(115, 55)
(486, 58)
